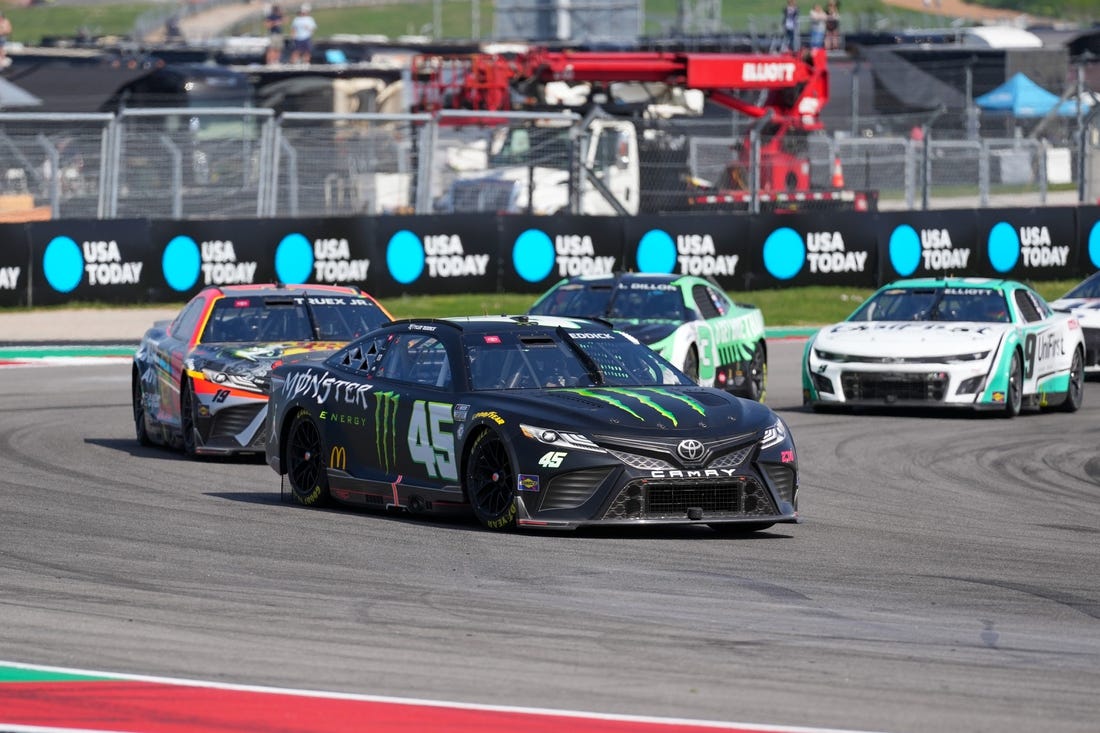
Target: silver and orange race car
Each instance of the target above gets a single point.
(200, 381)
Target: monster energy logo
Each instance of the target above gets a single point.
(625, 399)
(385, 429)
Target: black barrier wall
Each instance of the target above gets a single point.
(161, 261)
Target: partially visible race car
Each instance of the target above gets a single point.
(975, 343)
(200, 381)
(1083, 303)
(528, 421)
(686, 319)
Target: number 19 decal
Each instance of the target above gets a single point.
(431, 441)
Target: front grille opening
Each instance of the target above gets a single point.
(741, 496)
(570, 490)
(894, 386)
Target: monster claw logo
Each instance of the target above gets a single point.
(385, 429)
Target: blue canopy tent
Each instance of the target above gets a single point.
(1024, 98)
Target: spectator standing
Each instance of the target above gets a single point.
(5, 33)
(302, 29)
(790, 25)
(818, 18)
(832, 25)
(275, 40)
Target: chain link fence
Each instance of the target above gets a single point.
(200, 163)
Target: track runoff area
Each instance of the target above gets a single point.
(47, 699)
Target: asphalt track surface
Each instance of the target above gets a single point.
(945, 578)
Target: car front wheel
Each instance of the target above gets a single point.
(490, 482)
(138, 397)
(1076, 394)
(187, 418)
(1014, 395)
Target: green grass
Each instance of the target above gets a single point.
(31, 24)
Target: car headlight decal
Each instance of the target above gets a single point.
(238, 381)
(560, 439)
(774, 435)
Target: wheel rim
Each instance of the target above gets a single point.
(304, 456)
(187, 418)
(491, 478)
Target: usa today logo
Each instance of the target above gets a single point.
(66, 264)
(442, 255)
(1094, 245)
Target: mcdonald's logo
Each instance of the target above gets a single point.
(338, 458)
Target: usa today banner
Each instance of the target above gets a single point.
(538, 251)
(90, 260)
(431, 255)
(930, 244)
(1030, 244)
(1088, 233)
(707, 246)
(332, 251)
(15, 267)
(190, 255)
(837, 248)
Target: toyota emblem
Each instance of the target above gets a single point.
(690, 450)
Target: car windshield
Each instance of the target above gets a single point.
(632, 301)
(1090, 288)
(291, 318)
(983, 305)
(576, 359)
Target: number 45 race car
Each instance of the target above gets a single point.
(958, 342)
(529, 421)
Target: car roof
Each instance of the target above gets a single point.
(649, 277)
(953, 282)
(276, 289)
(489, 324)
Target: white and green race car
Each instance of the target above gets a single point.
(688, 320)
(976, 343)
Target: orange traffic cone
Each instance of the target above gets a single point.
(838, 173)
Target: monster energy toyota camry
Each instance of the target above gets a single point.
(529, 421)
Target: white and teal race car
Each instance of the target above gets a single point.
(975, 343)
(688, 320)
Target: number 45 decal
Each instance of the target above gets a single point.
(552, 459)
(431, 441)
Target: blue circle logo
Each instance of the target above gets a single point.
(533, 255)
(1094, 244)
(405, 257)
(63, 264)
(656, 252)
(904, 250)
(180, 263)
(1004, 247)
(293, 259)
(784, 253)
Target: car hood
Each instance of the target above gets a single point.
(1085, 310)
(909, 338)
(253, 358)
(648, 332)
(639, 411)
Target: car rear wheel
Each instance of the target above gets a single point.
(138, 398)
(187, 417)
(1076, 394)
(740, 529)
(756, 386)
(490, 482)
(305, 464)
(1014, 395)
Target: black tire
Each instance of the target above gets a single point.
(1014, 393)
(187, 418)
(756, 387)
(741, 529)
(305, 462)
(490, 482)
(691, 364)
(1076, 394)
(137, 395)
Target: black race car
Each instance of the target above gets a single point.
(200, 381)
(530, 421)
